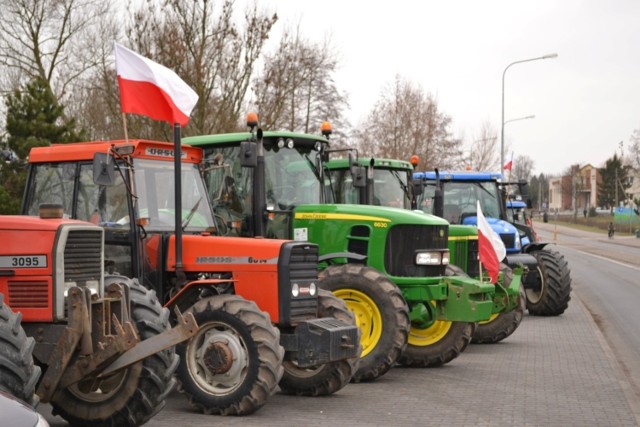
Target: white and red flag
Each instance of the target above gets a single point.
(509, 165)
(151, 89)
(490, 247)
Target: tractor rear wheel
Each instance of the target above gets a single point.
(380, 311)
(234, 363)
(554, 293)
(501, 325)
(328, 378)
(130, 396)
(18, 374)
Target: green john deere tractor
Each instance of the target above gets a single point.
(389, 182)
(388, 264)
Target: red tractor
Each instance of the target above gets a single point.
(98, 347)
(263, 320)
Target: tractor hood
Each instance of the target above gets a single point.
(368, 213)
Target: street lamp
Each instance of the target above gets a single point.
(520, 118)
(549, 56)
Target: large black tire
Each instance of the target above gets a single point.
(130, 396)
(501, 325)
(555, 285)
(436, 345)
(18, 374)
(439, 343)
(234, 362)
(328, 378)
(380, 311)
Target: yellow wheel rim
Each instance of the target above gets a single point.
(367, 314)
(493, 317)
(430, 335)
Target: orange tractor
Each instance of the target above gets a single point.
(263, 320)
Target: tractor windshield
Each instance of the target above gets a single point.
(389, 187)
(154, 189)
(460, 199)
(291, 179)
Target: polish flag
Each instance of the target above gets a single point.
(152, 90)
(509, 164)
(490, 247)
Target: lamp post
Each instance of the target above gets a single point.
(520, 118)
(549, 56)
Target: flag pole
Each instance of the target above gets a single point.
(124, 126)
(178, 204)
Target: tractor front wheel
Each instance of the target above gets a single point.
(132, 395)
(234, 363)
(328, 378)
(18, 374)
(501, 325)
(437, 344)
(554, 293)
(380, 312)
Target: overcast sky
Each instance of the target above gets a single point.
(585, 102)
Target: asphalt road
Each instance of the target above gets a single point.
(553, 371)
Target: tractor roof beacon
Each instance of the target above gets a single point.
(262, 321)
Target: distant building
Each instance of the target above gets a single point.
(576, 191)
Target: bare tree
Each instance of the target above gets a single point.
(483, 155)
(634, 150)
(201, 41)
(52, 40)
(296, 90)
(522, 168)
(407, 122)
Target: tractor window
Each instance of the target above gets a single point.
(155, 196)
(343, 187)
(290, 177)
(230, 188)
(104, 205)
(51, 183)
(390, 188)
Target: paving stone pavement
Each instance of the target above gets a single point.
(553, 371)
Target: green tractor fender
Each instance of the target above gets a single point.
(333, 257)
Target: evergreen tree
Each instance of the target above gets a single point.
(34, 119)
(613, 170)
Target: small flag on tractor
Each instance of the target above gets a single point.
(490, 247)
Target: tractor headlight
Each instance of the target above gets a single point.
(92, 285)
(432, 258)
(304, 290)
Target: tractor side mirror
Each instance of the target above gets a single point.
(103, 171)
(358, 173)
(417, 187)
(248, 154)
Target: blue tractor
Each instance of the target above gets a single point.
(547, 280)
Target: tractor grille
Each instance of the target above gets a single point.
(402, 243)
(83, 256)
(473, 266)
(509, 240)
(32, 294)
(301, 267)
